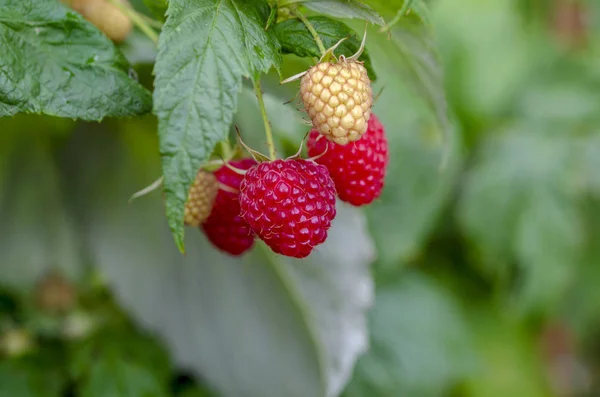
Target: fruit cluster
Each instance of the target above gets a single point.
(290, 204)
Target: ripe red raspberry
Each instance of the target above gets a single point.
(289, 204)
(224, 227)
(357, 169)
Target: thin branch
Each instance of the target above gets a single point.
(137, 19)
(263, 113)
(311, 29)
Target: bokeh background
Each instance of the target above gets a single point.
(476, 274)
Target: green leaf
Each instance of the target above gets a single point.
(478, 86)
(343, 9)
(40, 374)
(562, 92)
(195, 392)
(158, 8)
(417, 187)
(304, 321)
(581, 306)
(410, 9)
(205, 48)
(295, 38)
(420, 344)
(520, 203)
(415, 45)
(192, 389)
(272, 16)
(54, 62)
(500, 342)
(119, 363)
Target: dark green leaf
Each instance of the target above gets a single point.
(520, 204)
(509, 361)
(272, 16)
(419, 342)
(195, 392)
(54, 62)
(119, 363)
(205, 48)
(478, 85)
(296, 39)
(158, 8)
(582, 305)
(410, 9)
(39, 374)
(344, 9)
(422, 68)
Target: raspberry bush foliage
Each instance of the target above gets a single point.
(267, 198)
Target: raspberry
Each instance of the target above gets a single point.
(200, 198)
(357, 169)
(107, 17)
(289, 204)
(16, 342)
(338, 99)
(55, 294)
(225, 228)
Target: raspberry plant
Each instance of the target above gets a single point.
(462, 259)
(269, 247)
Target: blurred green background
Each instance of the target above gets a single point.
(486, 266)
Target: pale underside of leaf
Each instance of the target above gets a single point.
(260, 325)
(420, 342)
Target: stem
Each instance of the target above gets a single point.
(152, 22)
(225, 149)
(137, 19)
(404, 10)
(148, 189)
(263, 113)
(311, 29)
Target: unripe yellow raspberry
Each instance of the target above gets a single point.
(105, 16)
(338, 99)
(200, 198)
